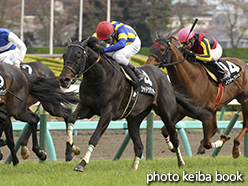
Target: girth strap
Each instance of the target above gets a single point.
(131, 103)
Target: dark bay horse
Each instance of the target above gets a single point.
(16, 91)
(42, 70)
(105, 92)
(191, 78)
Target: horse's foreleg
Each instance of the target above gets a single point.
(10, 141)
(100, 129)
(201, 148)
(70, 147)
(80, 112)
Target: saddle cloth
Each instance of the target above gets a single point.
(232, 68)
(2, 84)
(27, 69)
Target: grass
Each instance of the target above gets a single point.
(107, 172)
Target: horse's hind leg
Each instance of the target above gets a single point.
(134, 132)
(33, 119)
(236, 142)
(179, 116)
(24, 150)
(168, 111)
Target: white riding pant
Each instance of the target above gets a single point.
(217, 52)
(11, 57)
(121, 56)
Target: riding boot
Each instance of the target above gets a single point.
(225, 74)
(139, 73)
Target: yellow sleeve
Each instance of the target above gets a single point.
(206, 56)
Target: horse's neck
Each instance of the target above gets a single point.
(183, 75)
(102, 71)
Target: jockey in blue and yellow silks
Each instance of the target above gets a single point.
(204, 47)
(124, 43)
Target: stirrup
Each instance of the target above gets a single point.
(225, 77)
(139, 74)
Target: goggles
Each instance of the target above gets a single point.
(185, 43)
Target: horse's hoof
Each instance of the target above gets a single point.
(79, 168)
(201, 152)
(181, 164)
(43, 155)
(76, 149)
(236, 153)
(1, 155)
(224, 137)
(173, 150)
(70, 156)
(15, 162)
(24, 152)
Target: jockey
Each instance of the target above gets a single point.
(12, 49)
(124, 43)
(204, 47)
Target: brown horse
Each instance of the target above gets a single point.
(17, 89)
(192, 79)
(40, 69)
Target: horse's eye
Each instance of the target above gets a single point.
(162, 49)
(78, 55)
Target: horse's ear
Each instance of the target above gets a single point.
(69, 40)
(85, 41)
(156, 35)
(168, 37)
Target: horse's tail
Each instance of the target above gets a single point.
(48, 92)
(191, 110)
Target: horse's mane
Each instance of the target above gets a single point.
(174, 41)
(93, 43)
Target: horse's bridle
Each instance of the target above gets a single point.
(163, 60)
(80, 65)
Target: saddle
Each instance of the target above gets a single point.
(232, 68)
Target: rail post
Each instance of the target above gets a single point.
(227, 132)
(149, 136)
(223, 109)
(122, 147)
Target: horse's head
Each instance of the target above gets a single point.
(161, 52)
(74, 62)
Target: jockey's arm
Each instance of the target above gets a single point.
(19, 44)
(206, 56)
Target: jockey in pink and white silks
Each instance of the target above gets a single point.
(12, 48)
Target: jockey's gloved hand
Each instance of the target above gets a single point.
(101, 50)
(189, 54)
